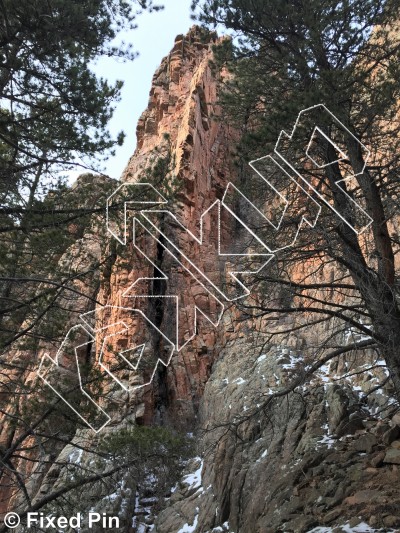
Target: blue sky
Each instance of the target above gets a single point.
(153, 39)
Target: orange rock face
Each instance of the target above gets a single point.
(146, 296)
(180, 126)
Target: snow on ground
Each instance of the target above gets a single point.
(323, 373)
(190, 528)
(360, 380)
(193, 480)
(362, 527)
(261, 358)
(122, 493)
(264, 454)
(353, 335)
(220, 529)
(326, 439)
(294, 360)
(75, 456)
(144, 504)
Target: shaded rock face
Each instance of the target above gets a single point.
(21, 387)
(316, 458)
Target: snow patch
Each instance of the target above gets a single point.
(264, 454)
(194, 480)
(261, 358)
(326, 439)
(294, 360)
(187, 528)
(362, 527)
(75, 456)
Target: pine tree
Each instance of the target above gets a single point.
(285, 57)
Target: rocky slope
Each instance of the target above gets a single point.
(317, 460)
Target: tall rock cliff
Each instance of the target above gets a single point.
(180, 142)
(322, 458)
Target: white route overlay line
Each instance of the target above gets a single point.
(89, 331)
(142, 346)
(161, 200)
(142, 206)
(200, 241)
(278, 226)
(178, 347)
(55, 362)
(320, 196)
